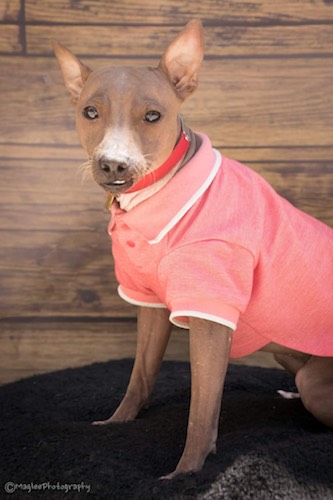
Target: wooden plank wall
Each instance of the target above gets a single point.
(265, 98)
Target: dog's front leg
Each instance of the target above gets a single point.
(154, 331)
(209, 354)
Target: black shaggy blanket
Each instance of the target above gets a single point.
(268, 447)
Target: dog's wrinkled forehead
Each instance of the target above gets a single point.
(128, 81)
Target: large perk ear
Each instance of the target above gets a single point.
(183, 57)
(74, 72)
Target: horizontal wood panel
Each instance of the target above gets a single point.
(43, 151)
(130, 41)
(39, 294)
(10, 39)
(175, 12)
(9, 10)
(33, 348)
(308, 186)
(50, 195)
(57, 252)
(247, 103)
(56, 273)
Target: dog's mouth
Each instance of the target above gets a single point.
(117, 186)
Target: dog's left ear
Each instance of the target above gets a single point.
(74, 72)
(183, 57)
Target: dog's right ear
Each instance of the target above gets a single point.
(74, 72)
(183, 57)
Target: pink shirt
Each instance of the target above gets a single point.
(217, 242)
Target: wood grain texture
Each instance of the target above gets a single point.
(127, 41)
(177, 13)
(39, 347)
(249, 103)
(10, 40)
(58, 273)
(308, 185)
(52, 194)
(9, 11)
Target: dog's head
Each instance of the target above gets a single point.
(127, 117)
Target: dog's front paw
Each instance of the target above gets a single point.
(102, 422)
(182, 469)
(179, 471)
(114, 419)
(118, 417)
(190, 462)
(126, 412)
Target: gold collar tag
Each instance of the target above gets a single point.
(109, 201)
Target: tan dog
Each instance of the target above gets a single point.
(143, 154)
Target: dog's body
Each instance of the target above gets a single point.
(202, 241)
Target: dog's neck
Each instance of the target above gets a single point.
(131, 200)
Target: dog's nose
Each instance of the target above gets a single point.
(116, 168)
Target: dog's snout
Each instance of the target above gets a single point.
(112, 167)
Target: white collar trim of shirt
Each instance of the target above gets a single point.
(189, 204)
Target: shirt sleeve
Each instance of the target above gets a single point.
(209, 280)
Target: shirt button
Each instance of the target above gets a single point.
(131, 243)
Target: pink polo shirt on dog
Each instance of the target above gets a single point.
(218, 243)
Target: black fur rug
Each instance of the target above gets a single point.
(268, 447)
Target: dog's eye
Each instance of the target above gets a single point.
(90, 112)
(152, 116)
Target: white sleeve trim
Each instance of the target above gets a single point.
(196, 314)
(179, 215)
(138, 302)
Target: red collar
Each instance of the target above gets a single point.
(177, 154)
